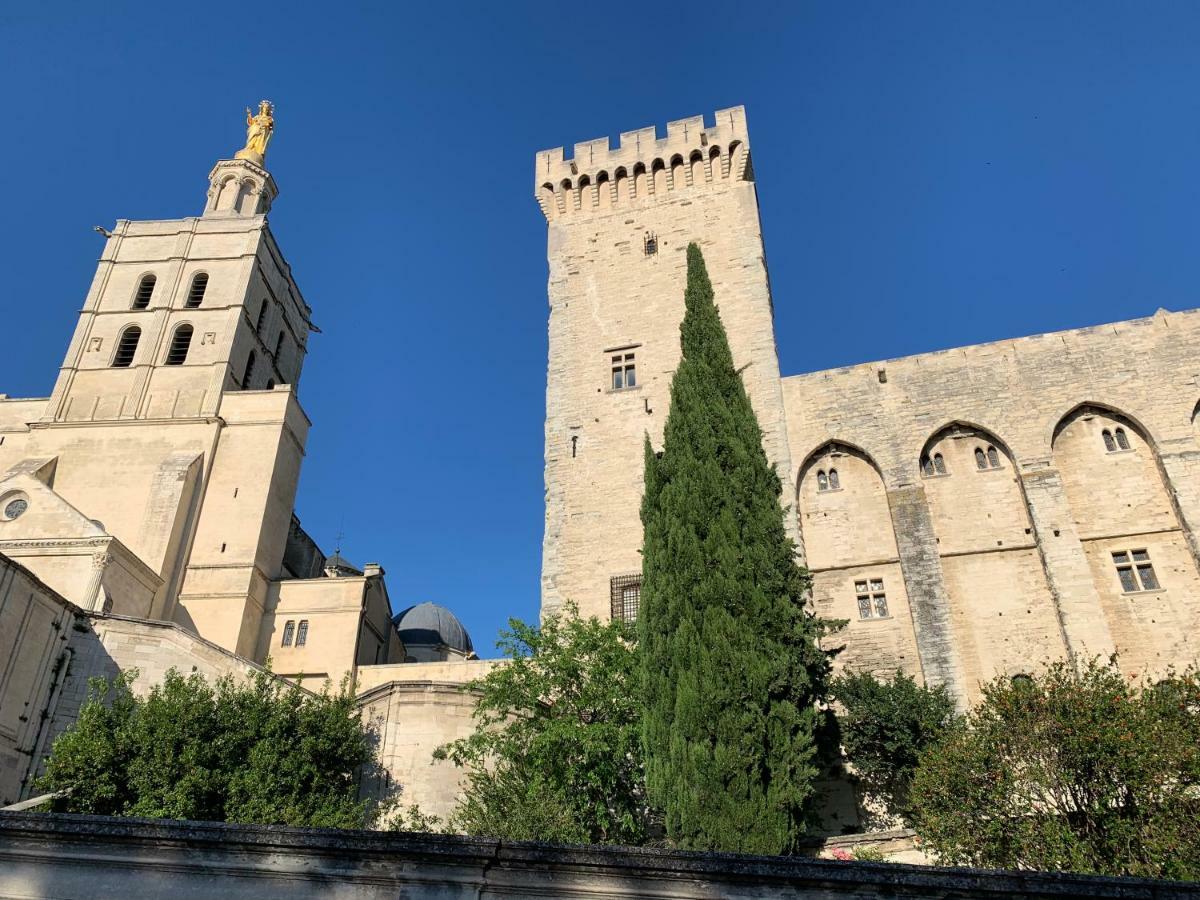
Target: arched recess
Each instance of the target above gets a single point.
(548, 201)
(737, 160)
(658, 175)
(568, 196)
(1003, 614)
(639, 181)
(621, 179)
(603, 191)
(696, 162)
(1131, 532)
(678, 173)
(228, 194)
(851, 550)
(587, 195)
(247, 201)
(714, 163)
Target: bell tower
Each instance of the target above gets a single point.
(182, 311)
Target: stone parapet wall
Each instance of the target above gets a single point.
(84, 856)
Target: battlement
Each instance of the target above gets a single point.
(644, 166)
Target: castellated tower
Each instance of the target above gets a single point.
(619, 225)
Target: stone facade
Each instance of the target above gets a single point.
(964, 510)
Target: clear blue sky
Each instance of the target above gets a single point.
(930, 175)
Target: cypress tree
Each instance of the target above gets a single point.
(731, 667)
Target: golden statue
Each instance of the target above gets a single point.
(259, 129)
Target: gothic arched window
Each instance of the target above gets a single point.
(1122, 441)
(822, 480)
(289, 629)
(993, 457)
(1109, 444)
(145, 291)
(302, 633)
(180, 342)
(127, 347)
(834, 482)
(939, 464)
(196, 292)
(980, 458)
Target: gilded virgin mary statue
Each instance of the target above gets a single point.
(259, 129)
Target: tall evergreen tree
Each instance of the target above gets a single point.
(731, 666)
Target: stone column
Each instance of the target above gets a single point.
(1084, 627)
(927, 597)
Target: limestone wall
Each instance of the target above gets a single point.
(620, 221)
(989, 467)
(84, 856)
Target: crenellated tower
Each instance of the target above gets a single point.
(619, 222)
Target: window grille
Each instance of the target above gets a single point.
(1122, 440)
(993, 457)
(626, 594)
(1109, 444)
(180, 342)
(127, 347)
(1135, 571)
(651, 243)
(302, 633)
(145, 291)
(624, 371)
(289, 629)
(872, 600)
(196, 293)
(987, 460)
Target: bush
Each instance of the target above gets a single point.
(1075, 771)
(258, 751)
(885, 728)
(555, 756)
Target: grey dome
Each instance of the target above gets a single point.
(429, 630)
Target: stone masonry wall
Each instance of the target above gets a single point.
(620, 221)
(1011, 564)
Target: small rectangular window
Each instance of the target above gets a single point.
(624, 371)
(625, 592)
(1138, 575)
(872, 600)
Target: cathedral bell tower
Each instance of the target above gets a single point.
(182, 311)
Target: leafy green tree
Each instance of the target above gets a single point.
(555, 756)
(885, 727)
(1070, 770)
(255, 751)
(731, 667)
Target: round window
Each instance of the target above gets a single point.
(14, 508)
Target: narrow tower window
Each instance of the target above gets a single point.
(180, 343)
(196, 293)
(262, 317)
(822, 480)
(993, 457)
(278, 346)
(1109, 444)
(145, 291)
(650, 244)
(835, 483)
(980, 458)
(127, 347)
(249, 372)
(1122, 441)
(302, 633)
(289, 629)
(939, 464)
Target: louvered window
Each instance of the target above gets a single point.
(127, 347)
(196, 293)
(145, 291)
(180, 343)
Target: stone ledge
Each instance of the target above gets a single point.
(53, 854)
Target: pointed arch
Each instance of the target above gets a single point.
(678, 173)
(696, 165)
(658, 177)
(715, 163)
(603, 190)
(640, 181)
(587, 196)
(621, 185)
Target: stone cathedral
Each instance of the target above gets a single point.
(973, 512)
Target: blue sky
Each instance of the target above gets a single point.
(930, 175)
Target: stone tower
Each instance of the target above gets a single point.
(171, 444)
(620, 221)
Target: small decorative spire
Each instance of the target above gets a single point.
(259, 129)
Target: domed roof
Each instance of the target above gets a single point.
(430, 625)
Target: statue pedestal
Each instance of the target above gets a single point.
(249, 156)
(240, 187)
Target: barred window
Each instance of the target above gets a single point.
(650, 243)
(1122, 440)
(302, 633)
(1135, 571)
(626, 595)
(989, 459)
(872, 600)
(1109, 444)
(289, 629)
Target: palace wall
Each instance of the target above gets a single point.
(977, 488)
